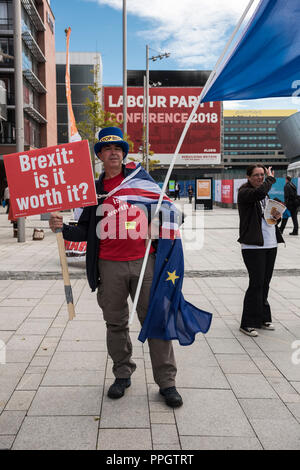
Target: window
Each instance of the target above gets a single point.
(6, 17)
(7, 47)
(82, 74)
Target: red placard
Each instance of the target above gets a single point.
(50, 179)
(227, 191)
(169, 110)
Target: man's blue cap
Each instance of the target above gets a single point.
(111, 135)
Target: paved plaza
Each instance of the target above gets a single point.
(239, 392)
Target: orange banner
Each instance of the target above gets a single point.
(72, 129)
(203, 189)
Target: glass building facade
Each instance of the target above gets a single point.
(85, 70)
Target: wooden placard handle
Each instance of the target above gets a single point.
(65, 273)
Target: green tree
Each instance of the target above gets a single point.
(95, 118)
(143, 153)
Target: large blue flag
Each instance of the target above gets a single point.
(266, 61)
(169, 315)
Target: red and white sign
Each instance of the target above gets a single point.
(169, 110)
(50, 179)
(227, 191)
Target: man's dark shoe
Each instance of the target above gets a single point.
(117, 389)
(293, 233)
(172, 397)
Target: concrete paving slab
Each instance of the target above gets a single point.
(236, 364)
(126, 412)
(20, 400)
(64, 401)
(24, 343)
(19, 302)
(124, 439)
(78, 360)
(30, 382)
(34, 326)
(10, 422)
(12, 317)
(266, 408)
(85, 331)
(6, 442)
(225, 346)
(81, 345)
(211, 413)
(275, 434)
(73, 378)
(159, 417)
(219, 443)
(250, 386)
(13, 356)
(164, 434)
(57, 433)
(295, 410)
(283, 362)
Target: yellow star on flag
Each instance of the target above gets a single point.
(172, 277)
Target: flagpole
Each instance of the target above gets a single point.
(213, 73)
(187, 125)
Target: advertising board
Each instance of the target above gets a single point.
(169, 110)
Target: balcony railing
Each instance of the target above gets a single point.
(34, 15)
(32, 45)
(34, 81)
(32, 112)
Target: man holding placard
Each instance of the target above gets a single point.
(116, 233)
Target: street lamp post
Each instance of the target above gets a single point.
(147, 109)
(19, 96)
(153, 58)
(124, 68)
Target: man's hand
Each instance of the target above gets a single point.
(55, 221)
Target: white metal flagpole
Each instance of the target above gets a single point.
(186, 127)
(214, 72)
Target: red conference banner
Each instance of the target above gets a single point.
(50, 179)
(227, 191)
(169, 110)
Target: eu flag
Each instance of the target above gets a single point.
(169, 315)
(265, 62)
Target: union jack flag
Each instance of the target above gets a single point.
(169, 315)
(141, 190)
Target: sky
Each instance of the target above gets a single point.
(194, 32)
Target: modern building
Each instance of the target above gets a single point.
(85, 70)
(39, 80)
(250, 136)
(288, 132)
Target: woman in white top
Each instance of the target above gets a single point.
(259, 247)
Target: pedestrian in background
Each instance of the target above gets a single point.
(284, 217)
(190, 193)
(290, 199)
(259, 242)
(6, 199)
(177, 191)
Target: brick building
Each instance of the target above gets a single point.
(39, 75)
